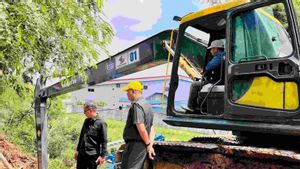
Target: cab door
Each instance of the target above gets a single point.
(262, 62)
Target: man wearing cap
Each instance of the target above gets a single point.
(212, 73)
(92, 145)
(138, 132)
(217, 51)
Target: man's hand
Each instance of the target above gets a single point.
(76, 155)
(150, 152)
(100, 160)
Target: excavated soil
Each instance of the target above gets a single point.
(15, 157)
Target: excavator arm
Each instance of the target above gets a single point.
(141, 56)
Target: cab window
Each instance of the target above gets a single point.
(261, 34)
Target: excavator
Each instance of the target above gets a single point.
(253, 93)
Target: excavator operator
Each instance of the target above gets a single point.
(212, 73)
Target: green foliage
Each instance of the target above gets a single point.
(64, 130)
(101, 103)
(115, 132)
(56, 106)
(296, 4)
(177, 135)
(63, 137)
(280, 14)
(67, 128)
(79, 103)
(56, 38)
(98, 103)
(57, 164)
(18, 118)
(18, 121)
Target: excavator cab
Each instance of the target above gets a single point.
(207, 91)
(257, 87)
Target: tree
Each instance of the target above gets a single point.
(51, 38)
(57, 38)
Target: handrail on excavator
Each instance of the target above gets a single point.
(193, 72)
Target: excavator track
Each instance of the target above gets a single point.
(214, 152)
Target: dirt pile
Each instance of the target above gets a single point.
(15, 157)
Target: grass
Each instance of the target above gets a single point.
(64, 132)
(176, 135)
(115, 131)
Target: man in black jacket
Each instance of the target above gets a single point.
(92, 145)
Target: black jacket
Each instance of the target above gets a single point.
(93, 137)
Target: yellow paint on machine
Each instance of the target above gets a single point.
(214, 9)
(291, 95)
(267, 93)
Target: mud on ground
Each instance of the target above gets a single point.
(15, 157)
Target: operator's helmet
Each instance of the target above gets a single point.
(217, 44)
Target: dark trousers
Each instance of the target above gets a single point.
(194, 98)
(87, 162)
(134, 155)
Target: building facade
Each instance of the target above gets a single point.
(109, 95)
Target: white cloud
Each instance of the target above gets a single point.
(148, 12)
(201, 4)
(117, 44)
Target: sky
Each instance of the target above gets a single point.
(135, 20)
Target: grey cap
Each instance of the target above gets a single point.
(216, 44)
(90, 104)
